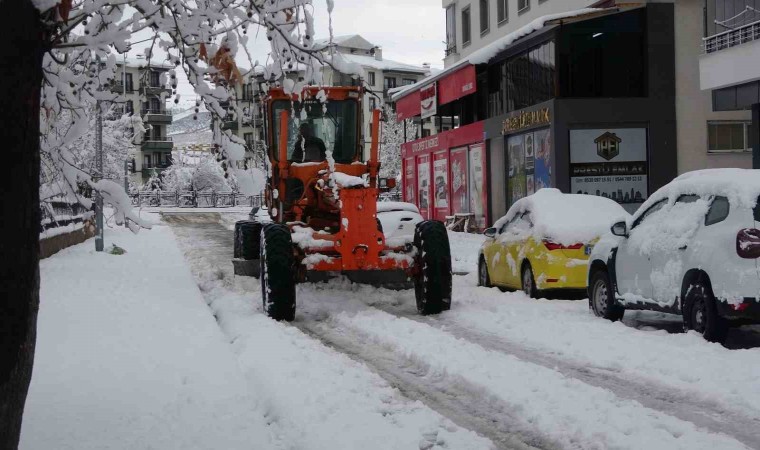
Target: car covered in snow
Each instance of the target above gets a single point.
(260, 214)
(691, 249)
(398, 220)
(544, 241)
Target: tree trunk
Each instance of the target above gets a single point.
(20, 81)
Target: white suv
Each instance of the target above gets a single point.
(691, 249)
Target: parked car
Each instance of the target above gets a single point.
(398, 220)
(691, 249)
(260, 215)
(544, 241)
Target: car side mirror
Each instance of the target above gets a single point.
(490, 233)
(620, 229)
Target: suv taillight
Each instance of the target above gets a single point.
(748, 243)
(551, 246)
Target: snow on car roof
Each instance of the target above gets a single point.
(567, 218)
(396, 206)
(740, 186)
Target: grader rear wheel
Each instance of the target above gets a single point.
(432, 285)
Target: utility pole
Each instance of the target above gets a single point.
(99, 167)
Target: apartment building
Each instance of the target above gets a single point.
(379, 75)
(140, 82)
(727, 71)
(615, 101)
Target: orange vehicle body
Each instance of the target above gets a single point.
(349, 237)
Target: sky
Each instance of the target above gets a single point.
(409, 31)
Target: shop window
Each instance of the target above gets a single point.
(484, 17)
(466, 26)
(523, 80)
(728, 137)
(501, 11)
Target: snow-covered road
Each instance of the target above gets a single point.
(359, 368)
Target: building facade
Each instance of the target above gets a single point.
(729, 76)
(584, 103)
(617, 101)
(145, 94)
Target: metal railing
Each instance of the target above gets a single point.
(153, 111)
(731, 38)
(193, 199)
(56, 213)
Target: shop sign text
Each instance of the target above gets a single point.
(525, 120)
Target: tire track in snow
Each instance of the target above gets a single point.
(458, 400)
(669, 400)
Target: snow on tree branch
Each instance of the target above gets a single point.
(200, 37)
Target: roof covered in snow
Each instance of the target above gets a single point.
(349, 40)
(155, 63)
(566, 218)
(384, 64)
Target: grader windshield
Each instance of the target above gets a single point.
(314, 129)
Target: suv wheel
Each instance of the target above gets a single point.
(701, 314)
(602, 297)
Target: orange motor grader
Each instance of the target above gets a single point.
(322, 199)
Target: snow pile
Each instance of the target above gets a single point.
(129, 357)
(566, 219)
(464, 251)
(347, 181)
(397, 206)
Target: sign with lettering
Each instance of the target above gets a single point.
(429, 100)
(526, 119)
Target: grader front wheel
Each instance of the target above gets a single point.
(278, 286)
(432, 285)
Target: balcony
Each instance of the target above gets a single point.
(730, 58)
(161, 143)
(156, 115)
(154, 90)
(118, 87)
(230, 125)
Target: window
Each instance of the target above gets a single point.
(718, 212)
(522, 5)
(372, 104)
(466, 26)
(155, 106)
(127, 80)
(407, 81)
(248, 91)
(129, 107)
(146, 161)
(390, 82)
(155, 79)
(728, 137)
(652, 209)
(451, 30)
(483, 17)
(501, 11)
(371, 78)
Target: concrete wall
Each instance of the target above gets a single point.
(52, 245)
(693, 105)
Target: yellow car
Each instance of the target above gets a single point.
(545, 240)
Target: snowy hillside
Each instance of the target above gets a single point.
(186, 130)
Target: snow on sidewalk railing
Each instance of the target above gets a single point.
(194, 199)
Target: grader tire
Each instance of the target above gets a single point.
(432, 285)
(278, 286)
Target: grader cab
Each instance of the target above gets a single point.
(322, 199)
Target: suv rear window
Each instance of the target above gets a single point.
(757, 210)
